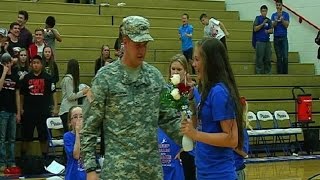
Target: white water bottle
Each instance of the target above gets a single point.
(187, 143)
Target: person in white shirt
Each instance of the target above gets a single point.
(214, 28)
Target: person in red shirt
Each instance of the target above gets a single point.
(37, 47)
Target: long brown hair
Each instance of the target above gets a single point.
(50, 61)
(217, 69)
(73, 69)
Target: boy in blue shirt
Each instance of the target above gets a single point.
(185, 35)
(262, 29)
(280, 22)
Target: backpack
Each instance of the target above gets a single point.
(31, 165)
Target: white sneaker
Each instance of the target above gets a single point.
(295, 154)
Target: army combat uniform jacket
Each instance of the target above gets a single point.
(131, 113)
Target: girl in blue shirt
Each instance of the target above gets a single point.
(75, 169)
(219, 126)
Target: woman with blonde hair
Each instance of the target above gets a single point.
(174, 170)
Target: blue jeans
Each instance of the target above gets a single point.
(7, 132)
(281, 48)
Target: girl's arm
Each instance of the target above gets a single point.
(57, 35)
(18, 105)
(68, 88)
(241, 153)
(227, 138)
(76, 148)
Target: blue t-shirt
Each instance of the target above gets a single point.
(214, 162)
(238, 159)
(279, 29)
(172, 168)
(261, 35)
(186, 42)
(75, 169)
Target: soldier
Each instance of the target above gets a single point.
(126, 99)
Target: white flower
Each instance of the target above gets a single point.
(175, 94)
(175, 79)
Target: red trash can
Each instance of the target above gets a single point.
(303, 106)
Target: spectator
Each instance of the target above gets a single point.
(9, 112)
(36, 94)
(70, 91)
(37, 47)
(25, 37)
(214, 28)
(3, 41)
(220, 115)
(179, 65)
(23, 63)
(126, 99)
(50, 67)
(75, 169)
(104, 58)
(185, 35)
(262, 30)
(51, 34)
(14, 43)
(280, 22)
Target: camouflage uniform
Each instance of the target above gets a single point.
(131, 113)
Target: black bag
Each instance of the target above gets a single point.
(31, 165)
(317, 39)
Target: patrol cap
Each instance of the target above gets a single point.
(136, 28)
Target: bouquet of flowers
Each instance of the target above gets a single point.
(176, 97)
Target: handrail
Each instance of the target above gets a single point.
(301, 18)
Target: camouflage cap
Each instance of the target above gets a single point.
(137, 28)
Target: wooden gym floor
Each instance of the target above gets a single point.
(288, 170)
